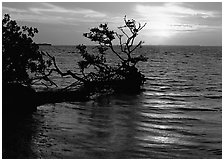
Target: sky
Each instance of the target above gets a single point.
(168, 23)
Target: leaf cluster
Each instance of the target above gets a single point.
(101, 34)
(20, 54)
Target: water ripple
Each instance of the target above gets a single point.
(179, 115)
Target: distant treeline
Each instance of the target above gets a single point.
(46, 44)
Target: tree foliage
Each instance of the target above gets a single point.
(20, 55)
(124, 74)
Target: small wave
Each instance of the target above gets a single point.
(151, 90)
(213, 97)
(194, 109)
(167, 116)
(172, 98)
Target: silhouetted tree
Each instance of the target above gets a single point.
(123, 74)
(22, 62)
(96, 73)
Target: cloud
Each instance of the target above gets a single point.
(53, 14)
(173, 17)
(42, 19)
(184, 11)
(51, 8)
(8, 9)
(174, 10)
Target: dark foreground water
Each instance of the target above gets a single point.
(179, 115)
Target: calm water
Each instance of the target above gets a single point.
(179, 115)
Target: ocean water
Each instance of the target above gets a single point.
(178, 115)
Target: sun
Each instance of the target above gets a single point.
(163, 33)
(162, 26)
(161, 19)
(161, 29)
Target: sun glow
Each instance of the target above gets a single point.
(160, 20)
(163, 33)
(162, 26)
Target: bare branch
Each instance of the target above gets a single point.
(111, 47)
(74, 75)
(120, 28)
(136, 46)
(77, 83)
(140, 28)
(120, 43)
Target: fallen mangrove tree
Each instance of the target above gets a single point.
(24, 64)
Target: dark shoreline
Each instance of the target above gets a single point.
(18, 125)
